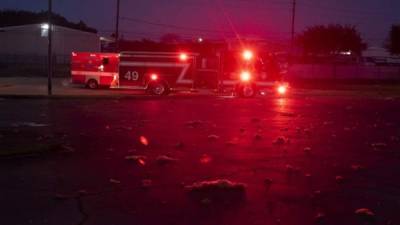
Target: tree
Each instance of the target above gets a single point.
(393, 43)
(170, 38)
(331, 40)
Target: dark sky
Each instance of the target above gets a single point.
(207, 18)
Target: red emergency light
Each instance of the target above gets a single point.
(245, 76)
(154, 77)
(183, 56)
(247, 55)
(281, 89)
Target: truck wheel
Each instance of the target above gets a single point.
(92, 84)
(247, 91)
(158, 88)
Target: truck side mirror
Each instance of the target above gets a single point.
(106, 61)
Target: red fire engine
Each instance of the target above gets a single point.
(158, 73)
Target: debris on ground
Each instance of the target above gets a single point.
(319, 218)
(379, 145)
(365, 214)
(292, 169)
(394, 138)
(257, 137)
(194, 123)
(143, 140)
(205, 159)
(356, 167)
(339, 179)
(232, 142)
(288, 114)
(326, 123)
(213, 137)
(216, 185)
(29, 124)
(146, 183)
(267, 183)
(66, 148)
(298, 129)
(179, 145)
(281, 140)
(140, 159)
(114, 181)
(205, 201)
(164, 159)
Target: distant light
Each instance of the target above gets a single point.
(45, 26)
(247, 55)
(154, 76)
(183, 56)
(245, 76)
(199, 39)
(44, 31)
(345, 53)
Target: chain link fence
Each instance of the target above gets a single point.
(33, 65)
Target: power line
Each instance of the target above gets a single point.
(341, 10)
(173, 26)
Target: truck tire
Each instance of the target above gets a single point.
(247, 90)
(92, 84)
(158, 88)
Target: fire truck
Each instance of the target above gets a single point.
(159, 73)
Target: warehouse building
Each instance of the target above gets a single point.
(23, 49)
(31, 40)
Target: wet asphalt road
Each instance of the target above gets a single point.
(334, 155)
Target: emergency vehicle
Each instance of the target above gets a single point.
(159, 73)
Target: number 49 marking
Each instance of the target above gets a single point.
(131, 75)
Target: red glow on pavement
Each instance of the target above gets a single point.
(205, 159)
(141, 162)
(144, 140)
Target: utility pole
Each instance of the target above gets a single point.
(49, 53)
(292, 32)
(293, 23)
(117, 28)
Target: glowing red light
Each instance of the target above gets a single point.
(144, 140)
(141, 162)
(205, 159)
(154, 76)
(183, 56)
(247, 55)
(245, 76)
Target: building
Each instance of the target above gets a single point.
(31, 40)
(23, 49)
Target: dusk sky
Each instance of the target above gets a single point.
(208, 18)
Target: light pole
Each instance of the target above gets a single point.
(117, 27)
(49, 53)
(292, 28)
